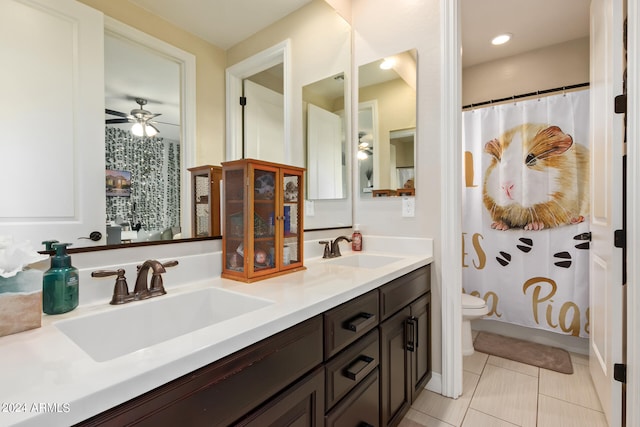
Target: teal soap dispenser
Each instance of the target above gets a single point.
(60, 283)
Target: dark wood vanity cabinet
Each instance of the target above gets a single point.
(405, 343)
(222, 393)
(359, 364)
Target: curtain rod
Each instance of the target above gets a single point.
(526, 95)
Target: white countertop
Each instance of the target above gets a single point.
(46, 379)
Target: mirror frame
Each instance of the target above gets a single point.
(187, 64)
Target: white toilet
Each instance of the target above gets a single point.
(472, 308)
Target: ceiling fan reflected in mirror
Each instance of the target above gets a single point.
(141, 119)
(365, 147)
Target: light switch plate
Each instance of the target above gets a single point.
(408, 206)
(309, 209)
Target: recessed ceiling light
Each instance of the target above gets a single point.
(388, 63)
(501, 39)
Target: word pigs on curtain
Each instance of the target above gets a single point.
(526, 207)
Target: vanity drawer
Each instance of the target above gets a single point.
(350, 367)
(402, 291)
(359, 408)
(349, 321)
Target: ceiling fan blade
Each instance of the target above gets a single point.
(164, 123)
(115, 113)
(113, 121)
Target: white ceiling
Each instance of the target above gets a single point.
(221, 22)
(533, 23)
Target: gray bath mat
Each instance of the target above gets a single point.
(542, 356)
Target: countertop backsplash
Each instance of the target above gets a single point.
(202, 260)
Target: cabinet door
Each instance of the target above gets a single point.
(300, 406)
(263, 251)
(52, 109)
(420, 327)
(395, 391)
(291, 219)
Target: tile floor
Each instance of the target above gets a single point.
(501, 393)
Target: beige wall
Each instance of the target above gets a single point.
(560, 65)
(210, 67)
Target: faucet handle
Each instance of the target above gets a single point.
(327, 251)
(120, 290)
(157, 287)
(170, 263)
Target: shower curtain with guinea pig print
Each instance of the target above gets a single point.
(526, 211)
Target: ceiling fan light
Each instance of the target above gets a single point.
(137, 129)
(362, 155)
(150, 131)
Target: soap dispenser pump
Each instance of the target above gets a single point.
(60, 283)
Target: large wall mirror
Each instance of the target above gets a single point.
(146, 148)
(325, 136)
(316, 58)
(146, 78)
(387, 126)
(135, 61)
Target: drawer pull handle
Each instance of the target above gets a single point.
(365, 424)
(361, 322)
(411, 333)
(358, 369)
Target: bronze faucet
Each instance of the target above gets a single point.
(332, 249)
(121, 293)
(142, 291)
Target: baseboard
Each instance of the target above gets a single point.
(435, 383)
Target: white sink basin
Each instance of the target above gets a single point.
(141, 324)
(364, 260)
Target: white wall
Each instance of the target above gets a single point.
(382, 28)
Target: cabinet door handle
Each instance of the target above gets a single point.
(360, 322)
(358, 369)
(410, 333)
(365, 424)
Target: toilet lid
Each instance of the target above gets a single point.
(469, 301)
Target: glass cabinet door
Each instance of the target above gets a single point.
(265, 214)
(234, 224)
(291, 219)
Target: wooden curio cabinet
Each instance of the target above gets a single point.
(205, 199)
(263, 219)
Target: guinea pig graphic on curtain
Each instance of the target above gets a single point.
(538, 178)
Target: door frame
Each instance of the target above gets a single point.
(235, 74)
(451, 201)
(633, 213)
(451, 272)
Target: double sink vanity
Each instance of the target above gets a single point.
(316, 345)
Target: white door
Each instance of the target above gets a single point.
(52, 110)
(606, 205)
(263, 123)
(324, 154)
